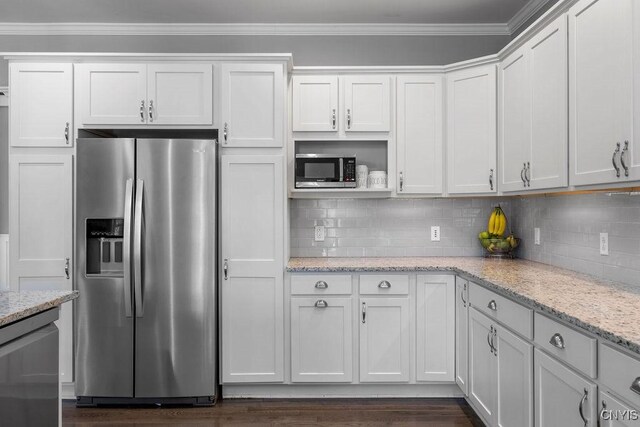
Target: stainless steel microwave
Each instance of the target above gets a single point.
(325, 171)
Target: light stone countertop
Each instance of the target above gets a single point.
(607, 309)
(15, 306)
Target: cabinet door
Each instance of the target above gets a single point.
(419, 134)
(112, 94)
(252, 234)
(321, 340)
(41, 107)
(315, 103)
(483, 366)
(514, 121)
(600, 89)
(548, 59)
(614, 413)
(367, 104)
(515, 382)
(180, 94)
(384, 340)
(471, 130)
(40, 226)
(252, 105)
(560, 394)
(462, 335)
(435, 328)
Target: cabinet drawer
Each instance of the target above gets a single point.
(620, 373)
(320, 284)
(384, 284)
(510, 313)
(569, 345)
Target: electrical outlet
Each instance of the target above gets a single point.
(604, 244)
(435, 233)
(536, 236)
(319, 233)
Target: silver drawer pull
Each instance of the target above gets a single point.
(321, 284)
(635, 386)
(384, 285)
(557, 341)
(321, 304)
(581, 405)
(492, 305)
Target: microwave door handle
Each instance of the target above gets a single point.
(126, 250)
(341, 166)
(137, 247)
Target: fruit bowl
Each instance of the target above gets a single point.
(499, 246)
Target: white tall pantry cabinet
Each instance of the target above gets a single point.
(41, 187)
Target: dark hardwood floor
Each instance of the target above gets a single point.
(278, 412)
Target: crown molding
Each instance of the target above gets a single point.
(168, 29)
(524, 14)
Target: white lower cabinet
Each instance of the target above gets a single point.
(435, 328)
(562, 397)
(384, 339)
(462, 335)
(500, 384)
(321, 339)
(615, 413)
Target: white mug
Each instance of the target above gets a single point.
(377, 179)
(362, 172)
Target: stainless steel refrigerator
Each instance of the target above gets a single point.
(145, 269)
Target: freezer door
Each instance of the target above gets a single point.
(103, 315)
(175, 353)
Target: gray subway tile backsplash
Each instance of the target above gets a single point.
(570, 229)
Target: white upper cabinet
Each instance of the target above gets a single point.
(41, 107)
(548, 63)
(514, 121)
(601, 91)
(315, 103)
(419, 128)
(533, 112)
(252, 112)
(112, 94)
(139, 94)
(435, 326)
(471, 130)
(180, 94)
(367, 104)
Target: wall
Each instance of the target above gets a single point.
(390, 227)
(307, 50)
(4, 170)
(570, 227)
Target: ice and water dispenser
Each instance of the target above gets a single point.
(104, 246)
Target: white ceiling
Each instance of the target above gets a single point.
(402, 12)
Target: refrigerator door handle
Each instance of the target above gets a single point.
(126, 250)
(137, 247)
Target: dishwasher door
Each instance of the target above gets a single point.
(29, 379)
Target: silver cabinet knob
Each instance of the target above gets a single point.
(635, 386)
(384, 285)
(142, 111)
(524, 181)
(581, 407)
(66, 268)
(401, 181)
(225, 269)
(527, 174)
(364, 312)
(225, 132)
(557, 341)
(491, 179)
(66, 133)
(321, 304)
(333, 118)
(492, 305)
(321, 284)
(613, 159)
(348, 118)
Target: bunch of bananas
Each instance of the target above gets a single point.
(497, 222)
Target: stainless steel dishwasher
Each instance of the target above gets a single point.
(29, 371)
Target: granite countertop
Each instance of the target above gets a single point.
(18, 305)
(607, 309)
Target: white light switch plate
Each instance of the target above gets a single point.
(435, 233)
(319, 233)
(536, 236)
(604, 243)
